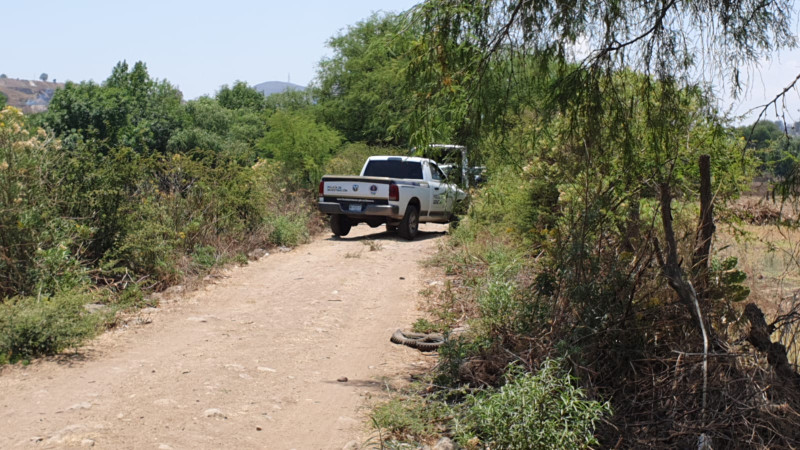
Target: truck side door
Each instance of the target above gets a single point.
(441, 193)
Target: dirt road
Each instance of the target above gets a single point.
(250, 362)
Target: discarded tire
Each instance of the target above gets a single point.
(420, 341)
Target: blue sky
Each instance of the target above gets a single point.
(201, 45)
(196, 45)
(764, 83)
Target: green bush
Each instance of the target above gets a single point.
(32, 327)
(204, 256)
(301, 143)
(289, 231)
(412, 417)
(541, 410)
(39, 248)
(147, 244)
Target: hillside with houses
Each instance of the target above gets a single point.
(28, 95)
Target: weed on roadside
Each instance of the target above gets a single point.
(540, 410)
(32, 326)
(410, 418)
(374, 246)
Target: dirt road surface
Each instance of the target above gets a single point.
(249, 362)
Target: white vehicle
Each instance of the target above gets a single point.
(401, 192)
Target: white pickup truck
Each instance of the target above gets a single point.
(400, 192)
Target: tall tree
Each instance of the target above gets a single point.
(128, 109)
(240, 96)
(301, 143)
(361, 88)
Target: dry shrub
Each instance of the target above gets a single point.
(643, 356)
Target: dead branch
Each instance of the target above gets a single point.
(705, 229)
(670, 266)
(776, 353)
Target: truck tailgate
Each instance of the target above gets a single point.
(356, 187)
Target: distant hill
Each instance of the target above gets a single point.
(275, 87)
(28, 95)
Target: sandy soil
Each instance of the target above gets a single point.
(249, 362)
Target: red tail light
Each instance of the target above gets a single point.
(394, 192)
(321, 183)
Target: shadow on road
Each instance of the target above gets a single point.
(388, 236)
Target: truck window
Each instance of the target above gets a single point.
(394, 169)
(436, 173)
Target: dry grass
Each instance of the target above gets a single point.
(769, 252)
(373, 245)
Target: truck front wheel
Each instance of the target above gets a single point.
(410, 224)
(340, 225)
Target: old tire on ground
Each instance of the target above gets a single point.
(420, 341)
(340, 225)
(409, 226)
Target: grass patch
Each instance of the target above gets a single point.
(374, 246)
(411, 418)
(541, 410)
(31, 326)
(423, 325)
(204, 256)
(290, 231)
(531, 410)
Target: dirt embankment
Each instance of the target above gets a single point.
(28, 95)
(252, 361)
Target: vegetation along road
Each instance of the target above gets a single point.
(257, 360)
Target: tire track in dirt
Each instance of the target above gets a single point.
(251, 362)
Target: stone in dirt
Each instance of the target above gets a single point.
(352, 445)
(214, 413)
(95, 307)
(177, 289)
(444, 444)
(342, 379)
(257, 254)
(81, 405)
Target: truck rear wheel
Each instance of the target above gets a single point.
(409, 226)
(340, 225)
